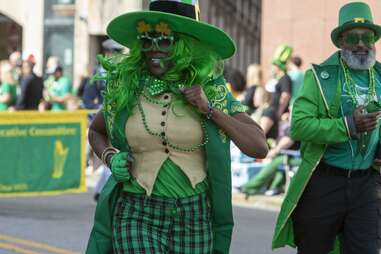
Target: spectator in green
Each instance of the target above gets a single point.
(8, 87)
(297, 75)
(57, 90)
(269, 177)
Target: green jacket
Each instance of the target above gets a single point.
(218, 175)
(316, 123)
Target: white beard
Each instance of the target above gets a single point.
(357, 62)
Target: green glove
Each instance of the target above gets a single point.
(119, 167)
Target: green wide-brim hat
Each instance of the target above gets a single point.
(182, 16)
(354, 15)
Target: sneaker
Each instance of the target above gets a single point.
(273, 192)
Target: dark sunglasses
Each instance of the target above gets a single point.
(352, 39)
(162, 43)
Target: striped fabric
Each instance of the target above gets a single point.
(156, 225)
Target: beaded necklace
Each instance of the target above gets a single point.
(352, 88)
(152, 100)
(164, 138)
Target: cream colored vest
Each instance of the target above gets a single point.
(150, 152)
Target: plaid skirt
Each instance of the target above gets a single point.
(159, 225)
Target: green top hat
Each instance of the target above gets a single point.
(181, 16)
(352, 15)
(281, 56)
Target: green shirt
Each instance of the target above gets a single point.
(59, 87)
(170, 182)
(6, 88)
(355, 154)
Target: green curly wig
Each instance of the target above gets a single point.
(190, 65)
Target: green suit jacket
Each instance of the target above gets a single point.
(316, 123)
(218, 174)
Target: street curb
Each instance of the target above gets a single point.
(262, 202)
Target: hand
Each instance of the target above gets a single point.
(377, 162)
(365, 122)
(46, 95)
(272, 153)
(120, 167)
(196, 97)
(285, 117)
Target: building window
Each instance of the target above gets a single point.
(59, 33)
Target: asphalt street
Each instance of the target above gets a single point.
(61, 225)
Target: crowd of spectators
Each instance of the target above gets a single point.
(269, 103)
(22, 89)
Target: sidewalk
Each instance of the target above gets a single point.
(256, 201)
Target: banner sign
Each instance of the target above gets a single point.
(42, 152)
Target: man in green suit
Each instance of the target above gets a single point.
(336, 193)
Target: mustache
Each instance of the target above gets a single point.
(360, 50)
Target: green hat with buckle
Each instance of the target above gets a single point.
(167, 17)
(353, 15)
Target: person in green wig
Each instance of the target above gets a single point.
(164, 131)
(333, 203)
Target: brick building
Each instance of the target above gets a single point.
(306, 25)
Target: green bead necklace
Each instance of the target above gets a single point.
(164, 137)
(364, 138)
(351, 84)
(152, 100)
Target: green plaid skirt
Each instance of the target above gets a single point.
(161, 225)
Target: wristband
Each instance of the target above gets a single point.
(106, 153)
